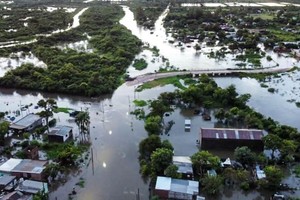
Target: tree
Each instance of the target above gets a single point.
(153, 125)
(161, 158)
(52, 170)
(203, 160)
(167, 144)
(68, 155)
(148, 145)
(244, 155)
(287, 150)
(4, 127)
(272, 142)
(82, 119)
(171, 171)
(211, 184)
(49, 105)
(274, 176)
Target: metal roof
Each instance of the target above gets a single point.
(25, 165)
(184, 164)
(32, 187)
(25, 121)
(5, 180)
(177, 185)
(60, 130)
(237, 134)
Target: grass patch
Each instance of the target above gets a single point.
(284, 35)
(64, 110)
(264, 16)
(161, 82)
(140, 103)
(140, 64)
(81, 183)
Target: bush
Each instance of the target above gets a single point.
(52, 122)
(272, 90)
(245, 186)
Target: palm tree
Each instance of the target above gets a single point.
(82, 120)
(49, 105)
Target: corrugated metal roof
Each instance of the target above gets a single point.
(60, 130)
(25, 165)
(4, 180)
(241, 134)
(25, 121)
(177, 185)
(10, 164)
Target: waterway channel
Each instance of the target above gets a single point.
(115, 134)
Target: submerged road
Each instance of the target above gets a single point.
(212, 72)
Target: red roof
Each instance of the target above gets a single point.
(238, 134)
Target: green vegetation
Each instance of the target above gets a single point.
(139, 103)
(284, 35)
(161, 82)
(140, 64)
(297, 171)
(73, 72)
(298, 104)
(60, 109)
(272, 90)
(81, 183)
(264, 16)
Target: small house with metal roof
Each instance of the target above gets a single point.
(185, 167)
(27, 123)
(24, 168)
(224, 138)
(60, 134)
(169, 188)
(32, 187)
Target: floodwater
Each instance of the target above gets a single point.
(115, 134)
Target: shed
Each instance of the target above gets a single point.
(184, 165)
(168, 188)
(60, 134)
(16, 195)
(27, 123)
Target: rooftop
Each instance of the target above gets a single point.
(60, 130)
(25, 121)
(236, 134)
(5, 180)
(32, 187)
(177, 185)
(16, 195)
(184, 164)
(23, 165)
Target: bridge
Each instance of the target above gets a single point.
(211, 72)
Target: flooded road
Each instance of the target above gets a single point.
(115, 134)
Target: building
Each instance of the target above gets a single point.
(222, 138)
(32, 152)
(32, 187)
(60, 134)
(7, 183)
(27, 123)
(24, 168)
(185, 167)
(16, 195)
(168, 188)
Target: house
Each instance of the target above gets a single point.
(27, 123)
(32, 187)
(169, 188)
(7, 183)
(25, 168)
(222, 138)
(16, 195)
(60, 134)
(184, 165)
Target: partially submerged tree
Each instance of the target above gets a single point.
(161, 158)
(244, 155)
(82, 120)
(49, 105)
(4, 127)
(203, 160)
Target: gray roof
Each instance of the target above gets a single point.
(16, 195)
(60, 130)
(32, 187)
(24, 166)
(5, 180)
(177, 185)
(184, 164)
(25, 121)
